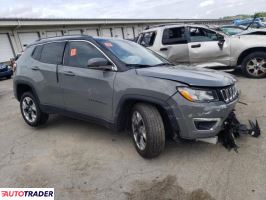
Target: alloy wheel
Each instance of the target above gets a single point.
(256, 67)
(139, 130)
(29, 109)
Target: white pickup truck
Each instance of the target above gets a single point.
(185, 43)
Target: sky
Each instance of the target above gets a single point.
(129, 8)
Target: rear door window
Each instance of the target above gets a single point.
(198, 34)
(52, 53)
(176, 35)
(78, 53)
(37, 52)
(147, 39)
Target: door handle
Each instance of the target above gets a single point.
(163, 49)
(196, 46)
(69, 73)
(35, 68)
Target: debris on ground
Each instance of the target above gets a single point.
(234, 129)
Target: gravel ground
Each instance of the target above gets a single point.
(85, 161)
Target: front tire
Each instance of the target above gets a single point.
(147, 130)
(31, 111)
(254, 65)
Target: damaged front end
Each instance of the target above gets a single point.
(233, 129)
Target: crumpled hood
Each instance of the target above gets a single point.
(261, 31)
(192, 76)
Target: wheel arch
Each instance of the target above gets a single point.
(21, 87)
(122, 113)
(249, 51)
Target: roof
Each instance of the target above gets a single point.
(60, 38)
(18, 22)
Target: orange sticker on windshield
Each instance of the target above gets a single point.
(108, 44)
(73, 52)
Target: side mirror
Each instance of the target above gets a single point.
(99, 63)
(221, 40)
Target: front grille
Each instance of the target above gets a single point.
(229, 94)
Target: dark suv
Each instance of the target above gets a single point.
(5, 71)
(121, 84)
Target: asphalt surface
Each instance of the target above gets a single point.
(85, 161)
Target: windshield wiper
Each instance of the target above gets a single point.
(143, 65)
(138, 65)
(162, 64)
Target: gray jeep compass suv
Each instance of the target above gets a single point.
(121, 84)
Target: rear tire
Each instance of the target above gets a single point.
(30, 110)
(147, 130)
(8, 77)
(254, 65)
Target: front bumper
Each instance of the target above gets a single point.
(199, 120)
(6, 73)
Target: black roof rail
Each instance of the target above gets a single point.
(58, 38)
(61, 36)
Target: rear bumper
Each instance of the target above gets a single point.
(6, 73)
(199, 120)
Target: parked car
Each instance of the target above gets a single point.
(255, 22)
(122, 85)
(5, 71)
(210, 48)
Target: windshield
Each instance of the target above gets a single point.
(132, 53)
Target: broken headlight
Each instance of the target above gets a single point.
(198, 95)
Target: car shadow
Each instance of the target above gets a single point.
(237, 73)
(81, 127)
(4, 78)
(90, 131)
